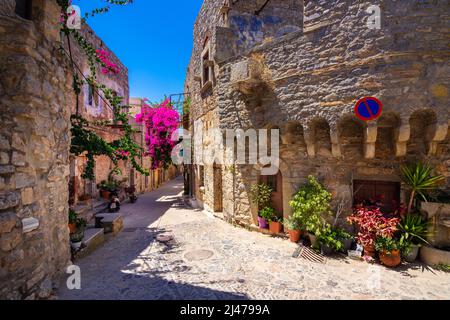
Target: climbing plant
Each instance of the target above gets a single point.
(85, 141)
(161, 121)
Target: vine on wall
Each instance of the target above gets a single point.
(84, 140)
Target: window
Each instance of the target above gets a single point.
(90, 95)
(207, 67)
(24, 9)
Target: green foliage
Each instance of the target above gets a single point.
(73, 216)
(110, 186)
(81, 224)
(342, 234)
(84, 140)
(87, 142)
(420, 179)
(293, 223)
(261, 195)
(268, 214)
(413, 230)
(387, 244)
(443, 267)
(310, 205)
(330, 237)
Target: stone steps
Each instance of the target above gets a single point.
(110, 222)
(93, 238)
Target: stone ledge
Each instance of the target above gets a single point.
(255, 228)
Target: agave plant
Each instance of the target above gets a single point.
(413, 229)
(420, 179)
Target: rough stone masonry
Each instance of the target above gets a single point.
(35, 95)
(300, 67)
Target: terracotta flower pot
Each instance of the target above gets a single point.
(294, 235)
(275, 227)
(390, 259)
(105, 194)
(369, 250)
(72, 227)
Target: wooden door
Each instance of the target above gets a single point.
(218, 192)
(384, 192)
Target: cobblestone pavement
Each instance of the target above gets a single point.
(211, 259)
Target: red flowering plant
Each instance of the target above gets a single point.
(161, 122)
(372, 224)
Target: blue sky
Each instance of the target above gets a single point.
(153, 38)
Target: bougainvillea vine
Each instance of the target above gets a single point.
(161, 121)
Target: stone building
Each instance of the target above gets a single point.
(300, 66)
(35, 90)
(36, 102)
(93, 106)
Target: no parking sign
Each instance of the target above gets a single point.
(368, 108)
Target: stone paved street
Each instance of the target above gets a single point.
(210, 259)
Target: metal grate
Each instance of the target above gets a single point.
(310, 254)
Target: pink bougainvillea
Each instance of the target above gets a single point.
(161, 121)
(109, 67)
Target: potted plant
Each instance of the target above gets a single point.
(73, 216)
(328, 240)
(346, 239)
(275, 225)
(372, 224)
(413, 231)
(76, 237)
(261, 195)
(419, 179)
(294, 228)
(389, 251)
(106, 188)
(310, 206)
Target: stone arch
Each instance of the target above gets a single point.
(420, 121)
(387, 125)
(351, 137)
(293, 133)
(320, 137)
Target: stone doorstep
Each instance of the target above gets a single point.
(93, 238)
(111, 222)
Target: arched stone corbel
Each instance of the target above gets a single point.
(309, 140)
(434, 134)
(370, 138)
(401, 137)
(335, 144)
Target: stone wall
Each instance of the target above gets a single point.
(307, 83)
(35, 92)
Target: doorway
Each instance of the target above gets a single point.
(218, 191)
(276, 182)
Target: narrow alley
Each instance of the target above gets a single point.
(211, 259)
